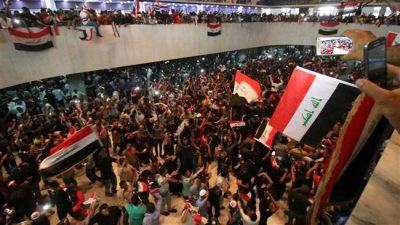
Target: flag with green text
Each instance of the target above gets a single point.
(311, 105)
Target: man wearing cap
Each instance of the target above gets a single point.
(202, 203)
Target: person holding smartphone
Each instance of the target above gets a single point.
(388, 100)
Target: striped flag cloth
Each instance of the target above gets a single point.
(32, 39)
(349, 8)
(265, 134)
(70, 152)
(311, 105)
(358, 128)
(246, 87)
(392, 39)
(328, 28)
(237, 124)
(244, 197)
(214, 28)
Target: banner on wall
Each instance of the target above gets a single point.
(32, 39)
(328, 28)
(214, 29)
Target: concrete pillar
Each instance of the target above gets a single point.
(51, 4)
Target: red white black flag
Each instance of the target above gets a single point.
(32, 39)
(214, 29)
(392, 39)
(76, 148)
(265, 134)
(328, 28)
(246, 87)
(311, 105)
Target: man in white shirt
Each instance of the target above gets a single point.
(251, 217)
(86, 17)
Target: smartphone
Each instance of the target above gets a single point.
(375, 61)
(334, 45)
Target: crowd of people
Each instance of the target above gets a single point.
(75, 18)
(163, 125)
(337, 46)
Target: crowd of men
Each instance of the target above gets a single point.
(164, 124)
(75, 18)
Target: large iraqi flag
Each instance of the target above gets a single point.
(32, 39)
(246, 87)
(311, 105)
(76, 148)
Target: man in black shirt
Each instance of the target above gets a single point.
(107, 173)
(106, 216)
(268, 206)
(62, 201)
(214, 201)
(186, 155)
(38, 219)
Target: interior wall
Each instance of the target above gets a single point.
(140, 44)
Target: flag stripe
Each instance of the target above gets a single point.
(67, 162)
(329, 24)
(342, 96)
(214, 25)
(291, 100)
(77, 136)
(392, 39)
(327, 32)
(214, 34)
(18, 33)
(296, 128)
(24, 47)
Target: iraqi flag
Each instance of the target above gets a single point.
(265, 134)
(311, 105)
(392, 39)
(32, 39)
(246, 87)
(237, 123)
(328, 28)
(348, 8)
(214, 29)
(72, 151)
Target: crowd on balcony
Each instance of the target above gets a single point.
(138, 112)
(75, 18)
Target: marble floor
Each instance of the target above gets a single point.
(279, 218)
